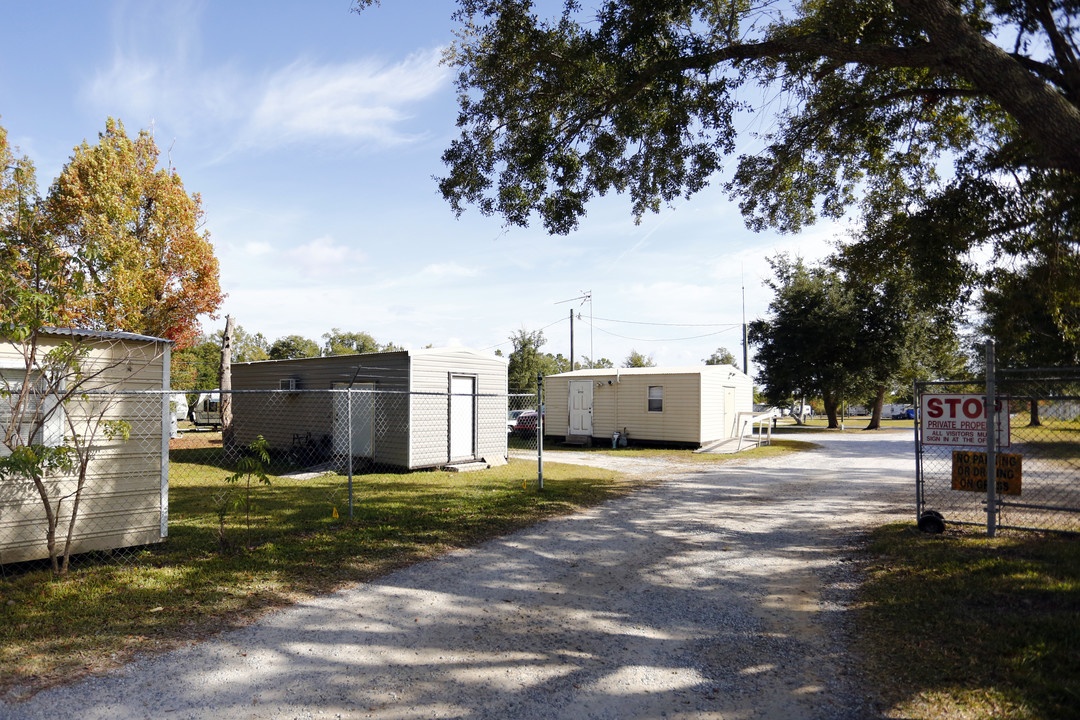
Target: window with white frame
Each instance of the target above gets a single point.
(656, 398)
(40, 417)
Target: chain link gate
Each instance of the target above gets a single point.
(1037, 452)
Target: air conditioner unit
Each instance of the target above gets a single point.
(287, 384)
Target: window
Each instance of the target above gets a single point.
(40, 420)
(656, 398)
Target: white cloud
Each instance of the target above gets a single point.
(361, 101)
(257, 249)
(322, 256)
(447, 270)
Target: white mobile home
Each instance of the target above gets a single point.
(124, 501)
(410, 409)
(687, 406)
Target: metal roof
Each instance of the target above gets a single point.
(331, 359)
(659, 370)
(102, 334)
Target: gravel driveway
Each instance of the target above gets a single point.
(719, 593)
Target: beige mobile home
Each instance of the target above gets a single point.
(407, 409)
(687, 406)
(124, 501)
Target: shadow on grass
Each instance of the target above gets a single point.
(959, 620)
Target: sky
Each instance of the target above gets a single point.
(313, 134)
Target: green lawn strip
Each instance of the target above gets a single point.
(185, 588)
(851, 424)
(962, 626)
(777, 447)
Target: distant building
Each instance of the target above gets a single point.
(688, 406)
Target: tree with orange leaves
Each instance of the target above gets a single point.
(136, 237)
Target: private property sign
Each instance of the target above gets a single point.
(961, 420)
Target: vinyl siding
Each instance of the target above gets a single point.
(717, 419)
(431, 372)
(557, 406)
(411, 427)
(124, 501)
(280, 416)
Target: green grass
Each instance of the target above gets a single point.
(963, 626)
(778, 447)
(181, 590)
(851, 424)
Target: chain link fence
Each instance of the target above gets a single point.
(194, 461)
(1037, 451)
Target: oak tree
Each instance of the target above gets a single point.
(293, 346)
(807, 346)
(950, 125)
(636, 360)
(526, 361)
(722, 356)
(339, 342)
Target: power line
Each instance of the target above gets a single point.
(510, 342)
(638, 322)
(691, 337)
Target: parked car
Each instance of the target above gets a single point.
(905, 414)
(511, 420)
(526, 424)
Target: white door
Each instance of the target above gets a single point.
(581, 407)
(729, 412)
(362, 401)
(462, 417)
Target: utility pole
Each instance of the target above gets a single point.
(585, 296)
(745, 360)
(571, 339)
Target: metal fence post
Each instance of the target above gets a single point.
(540, 430)
(918, 452)
(348, 409)
(991, 442)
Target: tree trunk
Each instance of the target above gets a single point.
(225, 384)
(83, 462)
(879, 402)
(831, 406)
(1035, 421)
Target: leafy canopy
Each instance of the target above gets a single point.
(637, 360)
(722, 356)
(116, 245)
(526, 361)
(293, 346)
(642, 97)
(951, 126)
